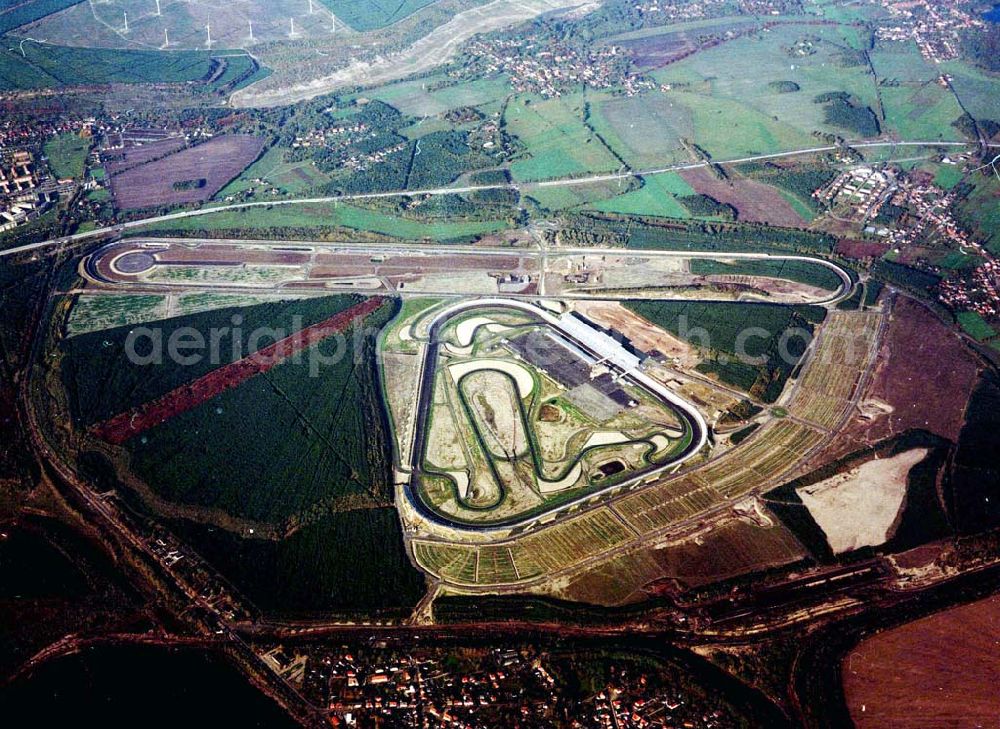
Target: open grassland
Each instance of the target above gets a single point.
(657, 196)
(428, 97)
(645, 130)
(745, 102)
(835, 367)
(67, 155)
(916, 105)
(290, 178)
(558, 142)
(319, 218)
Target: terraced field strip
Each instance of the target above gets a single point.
(125, 425)
(776, 448)
(549, 550)
(667, 503)
(832, 374)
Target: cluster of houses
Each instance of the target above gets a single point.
(372, 685)
(21, 196)
(934, 25)
(550, 68)
(859, 192)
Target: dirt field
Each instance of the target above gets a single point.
(130, 423)
(202, 170)
(755, 201)
(858, 508)
(940, 671)
(640, 332)
(861, 249)
(923, 374)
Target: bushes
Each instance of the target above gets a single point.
(703, 206)
(801, 271)
(842, 111)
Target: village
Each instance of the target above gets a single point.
(550, 69)
(376, 684)
(935, 26)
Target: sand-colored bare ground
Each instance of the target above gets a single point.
(859, 507)
(640, 332)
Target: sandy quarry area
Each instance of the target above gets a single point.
(859, 507)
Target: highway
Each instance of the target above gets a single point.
(451, 190)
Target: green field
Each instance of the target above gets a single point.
(558, 142)
(658, 196)
(736, 107)
(325, 216)
(975, 326)
(67, 154)
(290, 178)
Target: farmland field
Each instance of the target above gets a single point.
(559, 143)
(940, 670)
(194, 174)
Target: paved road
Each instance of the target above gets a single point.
(521, 187)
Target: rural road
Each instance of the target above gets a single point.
(519, 186)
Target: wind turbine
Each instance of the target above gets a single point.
(250, 23)
(166, 39)
(126, 22)
(208, 35)
(158, 8)
(291, 32)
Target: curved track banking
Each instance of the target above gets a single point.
(692, 417)
(122, 263)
